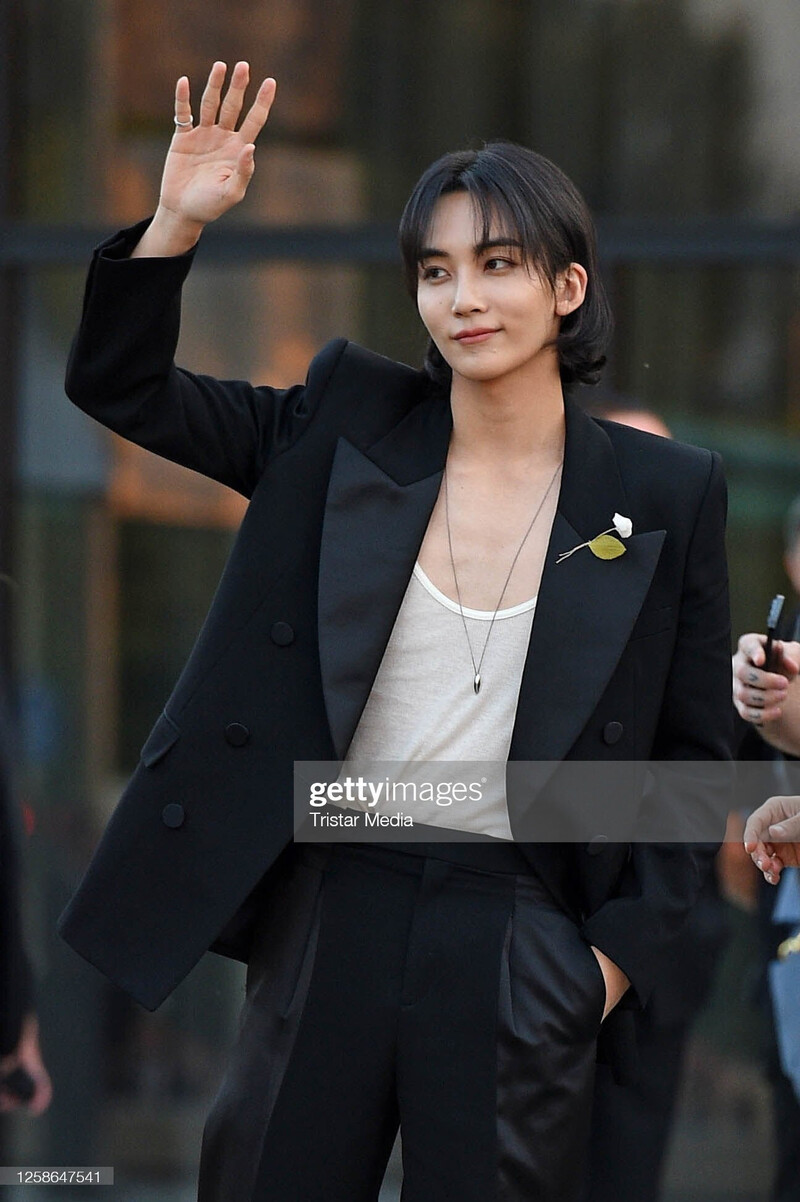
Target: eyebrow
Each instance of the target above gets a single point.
(432, 252)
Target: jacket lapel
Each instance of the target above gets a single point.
(376, 514)
(378, 505)
(586, 606)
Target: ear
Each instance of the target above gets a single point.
(570, 289)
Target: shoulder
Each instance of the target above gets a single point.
(352, 373)
(669, 484)
(676, 466)
(358, 362)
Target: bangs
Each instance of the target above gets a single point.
(499, 213)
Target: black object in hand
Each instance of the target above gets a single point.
(773, 619)
(19, 1083)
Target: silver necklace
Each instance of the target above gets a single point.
(476, 680)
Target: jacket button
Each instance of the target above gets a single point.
(173, 815)
(282, 634)
(597, 844)
(612, 733)
(237, 734)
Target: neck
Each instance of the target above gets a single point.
(510, 421)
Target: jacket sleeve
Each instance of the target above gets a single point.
(121, 371)
(662, 880)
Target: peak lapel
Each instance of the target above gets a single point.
(377, 510)
(586, 606)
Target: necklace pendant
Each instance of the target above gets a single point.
(476, 684)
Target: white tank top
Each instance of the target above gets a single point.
(423, 706)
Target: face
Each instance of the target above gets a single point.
(488, 312)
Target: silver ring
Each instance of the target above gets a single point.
(183, 124)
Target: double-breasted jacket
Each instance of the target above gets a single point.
(628, 659)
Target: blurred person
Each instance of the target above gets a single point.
(24, 1081)
(613, 406)
(631, 1122)
(460, 989)
(763, 835)
(769, 704)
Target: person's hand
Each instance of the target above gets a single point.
(615, 979)
(759, 695)
(209, 163)
(27, 1056)
(772, 836)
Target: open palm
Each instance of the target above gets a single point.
(209, 165)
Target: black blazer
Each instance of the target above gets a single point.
(628, 659)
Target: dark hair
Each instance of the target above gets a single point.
(534, 201)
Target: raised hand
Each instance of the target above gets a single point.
(209, 164)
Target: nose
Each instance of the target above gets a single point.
(468, 296)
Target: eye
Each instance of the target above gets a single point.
(429, 273)
(496, 263)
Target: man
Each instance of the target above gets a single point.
(357, 480)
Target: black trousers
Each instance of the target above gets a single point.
(631, 1124)
(434, 987)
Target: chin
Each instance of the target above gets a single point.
(484, 372)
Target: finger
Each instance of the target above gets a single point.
(259, 111)
(749, 675)
(231, 106)
(756, 828)
(209, 104)
(769, 866)
(754, 834)
(786, 830)
(183, 106)
(763, 699)
(751, 646)
(763, 690)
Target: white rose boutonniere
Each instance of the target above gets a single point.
(605, 545)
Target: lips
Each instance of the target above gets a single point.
(479, 334)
